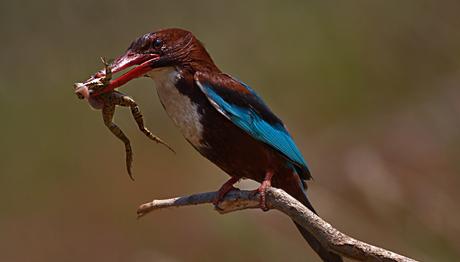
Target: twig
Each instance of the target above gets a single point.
(330, 237)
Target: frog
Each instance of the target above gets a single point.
(107, 103)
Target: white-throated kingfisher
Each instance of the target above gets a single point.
(220, 116)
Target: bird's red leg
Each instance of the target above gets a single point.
(224, 189)
(263, 187)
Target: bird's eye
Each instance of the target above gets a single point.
(157, 43)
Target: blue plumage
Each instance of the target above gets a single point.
(254, 117)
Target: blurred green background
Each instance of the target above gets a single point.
(369, 90)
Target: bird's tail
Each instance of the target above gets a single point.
(293, 188)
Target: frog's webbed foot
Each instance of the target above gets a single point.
(108, 73)
(97, 83)
(107, 114)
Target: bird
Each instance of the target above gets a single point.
(224, 119)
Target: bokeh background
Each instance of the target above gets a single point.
(369, 89)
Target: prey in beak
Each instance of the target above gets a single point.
(102, 82)
(100, 93)
(149, 52)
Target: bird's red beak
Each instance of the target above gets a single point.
(143, 63)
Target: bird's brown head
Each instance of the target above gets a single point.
(164, 48)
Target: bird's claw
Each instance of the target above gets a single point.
(262, 198)
(220, 196)
(262, 190)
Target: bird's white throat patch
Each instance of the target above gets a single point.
(179, 107)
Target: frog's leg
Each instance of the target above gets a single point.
(124, 100)
(107, 114)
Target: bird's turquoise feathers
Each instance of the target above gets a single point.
(240, 104)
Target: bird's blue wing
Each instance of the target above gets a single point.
(239, 103)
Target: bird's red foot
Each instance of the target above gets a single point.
(224, 189)
(262, 190)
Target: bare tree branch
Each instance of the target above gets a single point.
(330, 237)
